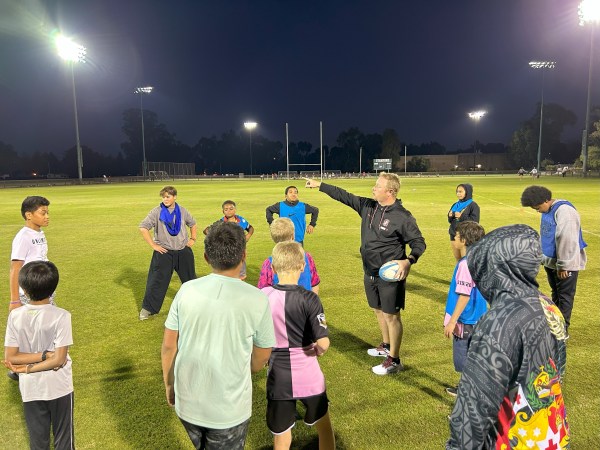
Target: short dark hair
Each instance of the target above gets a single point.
(168, 190)
(38, 279)
(288, 188)
(228, 202)
(535, 195)
(32, 203)
(470, 232)
(224, 245)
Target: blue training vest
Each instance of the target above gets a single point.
(296, 214)
(305, 276)
(548, 230)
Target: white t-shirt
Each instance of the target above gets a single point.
(33, 329)
(219, 319)
(29, 245)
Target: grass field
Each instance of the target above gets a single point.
(119, 397)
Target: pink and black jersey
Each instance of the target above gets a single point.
(299, 321)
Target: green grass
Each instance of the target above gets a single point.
(119, 398)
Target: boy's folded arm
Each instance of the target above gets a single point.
(54, 360)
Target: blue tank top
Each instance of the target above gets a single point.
(548, 230)
(296, 214)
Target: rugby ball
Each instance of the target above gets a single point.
(389, 270)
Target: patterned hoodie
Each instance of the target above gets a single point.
(510, 393)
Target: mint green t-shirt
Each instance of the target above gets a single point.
(218, 319)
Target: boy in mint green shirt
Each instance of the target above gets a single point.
(218, 330)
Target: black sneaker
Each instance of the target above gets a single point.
(452, 391)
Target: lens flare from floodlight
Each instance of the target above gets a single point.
(542, 64)
(69, 50)
(250, 125)
(476, 115)
(143, 90)
(589, 11)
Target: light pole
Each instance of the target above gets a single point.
(541, 65)
(250, 126)
(73, 53)
(476, 116)
(142, 91)
(589, 11)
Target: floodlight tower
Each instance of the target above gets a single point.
(476, 116)
(250, 126)
(541, 65)
(589, 12)
(73, 53)
(143, 90)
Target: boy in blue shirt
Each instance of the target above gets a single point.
(464, 305)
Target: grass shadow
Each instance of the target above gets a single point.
(135, 281)
(137, 405)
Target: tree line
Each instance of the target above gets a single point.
(229, 152)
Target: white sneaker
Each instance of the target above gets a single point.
(387, 367)
(144, 314)
(379, 351)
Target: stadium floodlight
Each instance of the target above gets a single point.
(250, 126)
(476, 116)
(143, 90)
(541, 65)
(589, 12)
(73, 53)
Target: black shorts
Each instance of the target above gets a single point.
(281, 414)
(384, 295)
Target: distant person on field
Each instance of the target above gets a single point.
(464, 304)
(296, 211)
(219, 330)
(510, 391)
(521, 172)
(386, 229)
(172, 249)
(302, 336)
(534, 173)
(464, 209)
(563, 246)
(282, 230)
(38, 336)
(229, 215)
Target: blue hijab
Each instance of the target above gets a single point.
(462, 204)
(172, 220)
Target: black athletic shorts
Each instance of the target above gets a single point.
(281, 414)
(384, 295)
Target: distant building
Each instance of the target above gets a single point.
(460, 162)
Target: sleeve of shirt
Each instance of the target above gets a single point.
(273, 209)
(472, 213)
(172, 322)
(316, 316)
(413, 237)
(19, 251)
(64, 332)
(314, 275)
(264, 337)
(342, 196)
(266, 275)
(151, 220)
(314, 214)
(464, 281)
(10, 337)
(567, 237)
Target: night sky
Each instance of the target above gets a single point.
(415, 66)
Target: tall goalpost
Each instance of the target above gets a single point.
(287, 152)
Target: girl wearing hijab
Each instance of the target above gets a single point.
(464, 209)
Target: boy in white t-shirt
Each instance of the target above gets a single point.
(28, 245)
(36, 345)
